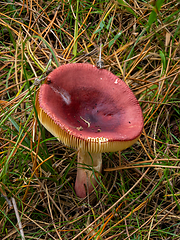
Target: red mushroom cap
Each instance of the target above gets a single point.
(87, 107)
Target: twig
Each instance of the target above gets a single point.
(7, 200)
(100, 63)
(3, 194)
(18, 219)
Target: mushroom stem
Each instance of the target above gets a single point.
(89, 164)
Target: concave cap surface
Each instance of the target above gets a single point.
(89, 108)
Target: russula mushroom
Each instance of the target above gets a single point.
(91, 110)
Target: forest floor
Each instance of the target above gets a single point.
(140, 197)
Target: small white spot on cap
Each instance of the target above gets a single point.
(116, 81)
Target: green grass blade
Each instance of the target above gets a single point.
(76, 30)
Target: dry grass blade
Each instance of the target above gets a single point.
(118, 223)
(52, 215)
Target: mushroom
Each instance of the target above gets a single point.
(91, 110)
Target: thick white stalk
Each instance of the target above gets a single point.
(88, 165)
